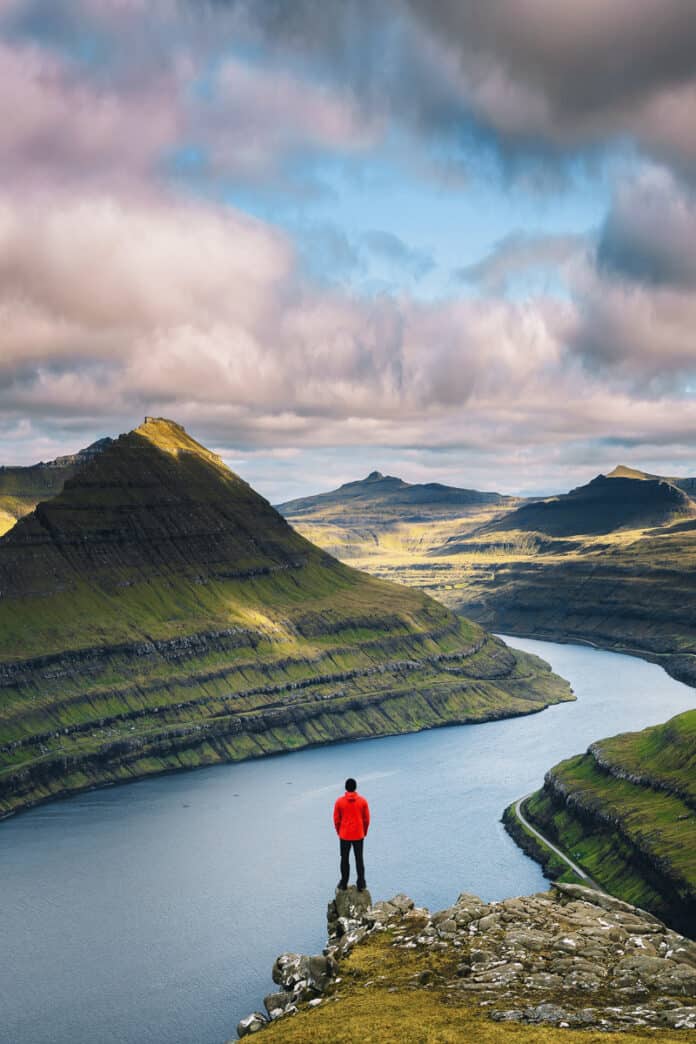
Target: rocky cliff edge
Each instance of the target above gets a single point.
(571, 958)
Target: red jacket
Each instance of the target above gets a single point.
(351, 816)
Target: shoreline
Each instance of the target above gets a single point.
(560, 638)
(158, 774)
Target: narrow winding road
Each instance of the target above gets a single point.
(589, 881)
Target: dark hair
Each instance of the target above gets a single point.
(351, 785)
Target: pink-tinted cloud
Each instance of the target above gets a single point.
(256, 117)
(58, 128)
(113, 309)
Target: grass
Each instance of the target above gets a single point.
(377, 1002)
(636, 837)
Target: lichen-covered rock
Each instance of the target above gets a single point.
(607, 902)
(348, 910)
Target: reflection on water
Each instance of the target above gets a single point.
(151, 914)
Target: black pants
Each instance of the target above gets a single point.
(359, 865)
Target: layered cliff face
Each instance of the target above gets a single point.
(626, 811)
(530, 968)
(159, 614)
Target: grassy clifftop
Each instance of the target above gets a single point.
(626, 811)
(159, 614)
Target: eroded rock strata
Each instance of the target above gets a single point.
(626, 809)
(569, 958)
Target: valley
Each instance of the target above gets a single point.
(611, 563)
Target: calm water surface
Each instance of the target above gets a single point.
(152, 913)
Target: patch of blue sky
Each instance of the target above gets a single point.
(455, 224)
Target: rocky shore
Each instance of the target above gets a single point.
(568, 958)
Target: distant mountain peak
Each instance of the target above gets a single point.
(374, 476)
(624, 471)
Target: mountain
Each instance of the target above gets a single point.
(157, 613)
(21, 488)
(381, 521)
(626, 809)
(605, 504)
(381, 495)
(612, 562)
(686, 484)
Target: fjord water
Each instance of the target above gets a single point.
(151, 914)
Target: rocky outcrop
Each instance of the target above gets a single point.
(305, 979)
(572, 957)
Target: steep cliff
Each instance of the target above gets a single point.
(159, 614)
(626, 811)
(545, 967)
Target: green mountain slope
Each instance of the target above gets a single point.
(159, 614)
(626, 810)
(21, 489)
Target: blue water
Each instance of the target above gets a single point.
(152, 913)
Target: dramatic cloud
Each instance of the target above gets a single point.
(55, 125)
(650, 233)
(126, 286)
(163, 302)
(111, 310)
(538, 78)
(575, 75)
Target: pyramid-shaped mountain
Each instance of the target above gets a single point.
(157, 614)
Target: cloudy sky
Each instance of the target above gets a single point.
(451, 240)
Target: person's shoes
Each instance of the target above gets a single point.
(341, 886)
(361, 886)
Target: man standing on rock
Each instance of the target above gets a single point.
(352, 820)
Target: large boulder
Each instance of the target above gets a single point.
(295, 972)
